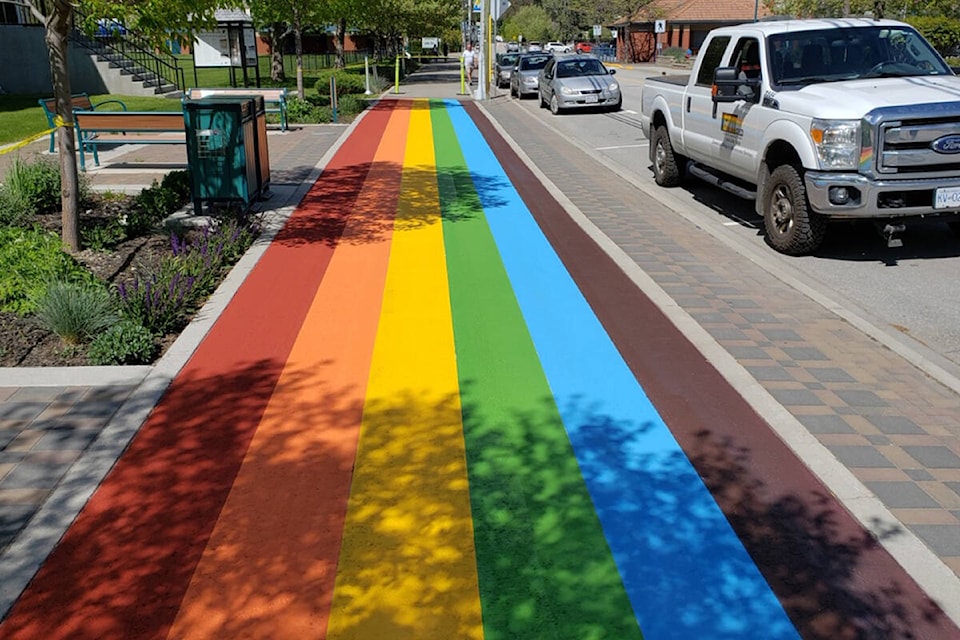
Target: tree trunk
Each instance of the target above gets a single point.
(298, 40)
(277, 74)
(57, 29)
(340, 43)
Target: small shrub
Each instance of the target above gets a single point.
(14, 211)
(36, 184)
(179, 183)
(303, 111)
(124, 343)
(351, 105)
(676, 53)
(75, 312)
(102, 234)
(29, 259)
(347, 82)
(152, 205)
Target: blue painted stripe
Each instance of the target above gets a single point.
(686, 572)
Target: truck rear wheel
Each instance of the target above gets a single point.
(792, 228)
(666, 163)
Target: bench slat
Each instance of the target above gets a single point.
(139, 123)
(130, 121)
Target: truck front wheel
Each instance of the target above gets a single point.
(792, 228)
(666, 163)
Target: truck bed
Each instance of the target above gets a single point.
(679, 79)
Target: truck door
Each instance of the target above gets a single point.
(739, 126)
(700, 127)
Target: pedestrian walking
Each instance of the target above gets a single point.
(469, 61)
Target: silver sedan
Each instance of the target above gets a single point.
(523, 80)
(577, 82)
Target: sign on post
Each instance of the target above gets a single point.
(659, 26)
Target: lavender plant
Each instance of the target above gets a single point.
(163, 300)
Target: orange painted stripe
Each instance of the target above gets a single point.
(123, 567)
(268, 570)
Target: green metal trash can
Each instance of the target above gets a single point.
(222, 150)
(262, 151)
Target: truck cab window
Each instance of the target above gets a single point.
(746, 58)
(711, 59)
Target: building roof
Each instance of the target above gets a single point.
(699, 11)
(232, 15)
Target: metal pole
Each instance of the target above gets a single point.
(366, 75)
(481, 93)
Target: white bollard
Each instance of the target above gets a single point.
(366, 74)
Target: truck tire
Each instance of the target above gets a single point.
(792, 228)
(666, 163)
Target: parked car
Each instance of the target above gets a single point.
(557, 47)
(584, 47)
(504, 67)
(534, 47)
(577, 82)
(524, 79)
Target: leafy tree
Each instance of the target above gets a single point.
(942, 33)
(297, 15)
(880, 8)
(391, 20)
(532, 22)
(157, 20)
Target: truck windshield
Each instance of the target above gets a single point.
(830, 55)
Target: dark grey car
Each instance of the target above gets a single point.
(504, 67)
(523, 80)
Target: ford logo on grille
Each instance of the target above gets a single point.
(947, 144)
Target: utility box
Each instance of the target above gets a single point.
(222, 150)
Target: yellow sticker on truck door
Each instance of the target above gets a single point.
(732, 123)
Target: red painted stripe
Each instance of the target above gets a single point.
(122, 568)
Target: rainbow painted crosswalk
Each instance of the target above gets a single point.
(409, 423)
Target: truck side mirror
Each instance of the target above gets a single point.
(728, 86)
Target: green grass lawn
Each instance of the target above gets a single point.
(21, 116)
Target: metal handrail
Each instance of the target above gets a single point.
(113, 37)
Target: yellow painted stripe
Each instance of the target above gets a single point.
(407, 565)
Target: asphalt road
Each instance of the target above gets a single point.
(910, 293)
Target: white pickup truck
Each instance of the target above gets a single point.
(814, 119)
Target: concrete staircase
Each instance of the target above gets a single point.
(125, 76)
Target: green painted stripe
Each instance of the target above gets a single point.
(542, 558)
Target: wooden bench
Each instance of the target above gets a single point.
(78, 102)
(274, 100)
(97, 128)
